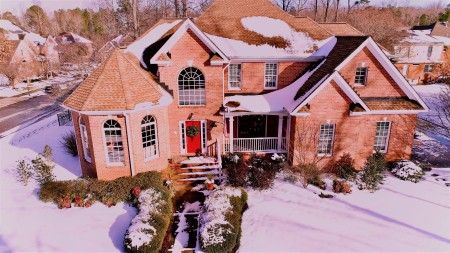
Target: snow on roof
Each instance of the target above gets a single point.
(35, 38)
(80, 39)
(10, 27)
(420, 36)
(300, 44)
(445, 40)
(275, 101)
(137, 48)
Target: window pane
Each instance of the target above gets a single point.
(191, 87)
(149, 143)
(326, 139)
(270, 75)
(361, 76)
(382, 136)
(113, 142)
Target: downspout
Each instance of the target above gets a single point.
(130, 144)
(223, 101)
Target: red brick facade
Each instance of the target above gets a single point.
(353, 134)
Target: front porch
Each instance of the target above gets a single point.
(257, 133)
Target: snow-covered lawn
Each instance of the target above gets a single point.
(21, 88)
(402, 216)
(29, 225)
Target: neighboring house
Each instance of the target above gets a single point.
(247, 77)
(423, 55)
(70, 39)
(108, 48)
(18, 55)
(45, 50)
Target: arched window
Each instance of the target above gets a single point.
(191, 87)
(85, 140)
(149, 137)
(113, 142)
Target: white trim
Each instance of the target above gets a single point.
(182, 128)
(276, 76)
(229, 114)
(387, 112)
(188, 24)
(129, 144)
(83, 141)
(112, 164)
(240, 77)
(203, 135)
(155, 123)
(275, 59)
(387, 137)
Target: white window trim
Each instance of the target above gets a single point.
(203, 135)
(365, 78)
(332, 142)
(240, 78)
(429, 65)
(108, 163)
(83, 142)
(178, 88)
(387, 138)
(156, 139)
(276, 76)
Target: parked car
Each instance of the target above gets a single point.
(48, 89)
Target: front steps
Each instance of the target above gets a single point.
(197, 168)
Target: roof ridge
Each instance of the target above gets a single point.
(119, 66)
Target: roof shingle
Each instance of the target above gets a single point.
(119, 83)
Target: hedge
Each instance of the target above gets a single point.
(107, 192)
(220, 224)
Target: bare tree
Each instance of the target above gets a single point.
(443, 111)
(11, 72)
(326, 6)
(337, 10)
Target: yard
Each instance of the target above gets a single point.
(402, 216)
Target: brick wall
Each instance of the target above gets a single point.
(353, 134)
(379, 82)
(252, 76)
(190, 49)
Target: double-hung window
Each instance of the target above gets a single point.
(361, 76)
(113, 142)
(270, 75)
(85, 140)
(382, 136)
(326, 139)
(149, 137)
(234, 76)
(428, 68)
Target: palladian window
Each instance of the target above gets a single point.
(191, 87)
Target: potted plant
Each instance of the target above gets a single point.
(209, 183)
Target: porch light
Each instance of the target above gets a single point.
(191, 116)
(222, 108)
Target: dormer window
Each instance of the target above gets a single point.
(270, 76)
(361, 76)
(234, 76)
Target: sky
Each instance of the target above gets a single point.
(17, 6)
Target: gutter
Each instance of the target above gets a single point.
(130, 145)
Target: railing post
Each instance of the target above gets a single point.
(231, 120)
(280, 132)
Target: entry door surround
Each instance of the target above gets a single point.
(195, 144)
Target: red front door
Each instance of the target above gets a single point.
(194, 144)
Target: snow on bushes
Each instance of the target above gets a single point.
(147, 230)
(408, 171)
(220, 224)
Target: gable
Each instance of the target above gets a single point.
(330, 100)
(188, 47)
(379, 82)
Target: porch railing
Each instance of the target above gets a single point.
(263, 144)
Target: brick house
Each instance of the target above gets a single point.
(247, 77)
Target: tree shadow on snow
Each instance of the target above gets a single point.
(120, 226)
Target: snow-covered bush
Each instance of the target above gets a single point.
(24, 172)
(147, 230)
(408, 171)
(43, 169)
(220, 224)
(373, 173)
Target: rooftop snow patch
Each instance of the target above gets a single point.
(420, 36)
(137, 48)
(299, 44)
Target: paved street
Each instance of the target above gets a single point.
(27, 111)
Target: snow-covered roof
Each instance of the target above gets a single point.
(35, 38)
(10, 27)
(13, 31)
(155, 33)
(80, 39)
(445, 40)
(299, 44)
(420, 37)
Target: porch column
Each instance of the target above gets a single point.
(231, 120)
(280, 132)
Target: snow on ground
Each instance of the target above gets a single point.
(402, 216)
(29, 225)
(8, 91)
